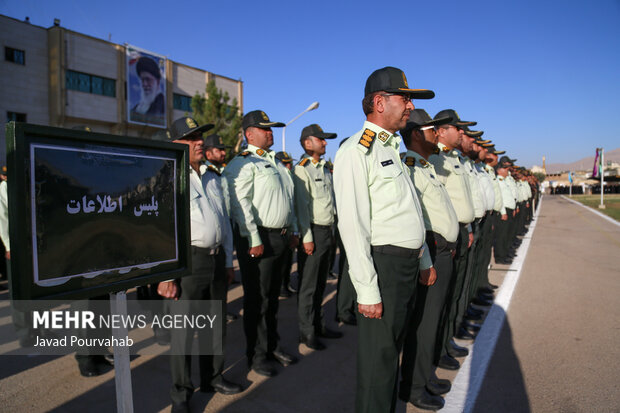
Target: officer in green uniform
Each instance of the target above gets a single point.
(315, 213)
(286, 290)
(442, 230)
(504, 240)
(262, 205)
(210, 235)
(452, 174)
(382, 229)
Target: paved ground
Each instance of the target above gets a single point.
(556, 351)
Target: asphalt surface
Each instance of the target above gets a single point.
(556, 351)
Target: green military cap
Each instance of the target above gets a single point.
(456, 120)
(187, 127)
(284, 157)
(259, 119)
(392, 80)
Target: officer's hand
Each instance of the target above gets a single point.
(257, 251)
(504, 217)
(168, 289)
(370, 310)
(527, 204)
(230, 275)
(7, 255)
(517, 210)
(428, 276)
(293, 241)
(471, 239)
(514, 212)
(308, 248)
(453, 253)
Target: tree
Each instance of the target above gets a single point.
(540, 176)
(216, 109)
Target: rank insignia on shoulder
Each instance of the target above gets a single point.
(383, 136)
(244, 153)
(423, 162)
(304, 161)
(436, 150)
(410, 161)
(260, 152)
(213, 169)
(367, 138)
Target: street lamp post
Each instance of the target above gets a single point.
(308, 109)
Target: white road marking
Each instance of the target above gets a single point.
(467, 383)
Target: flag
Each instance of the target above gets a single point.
(570, 177)
(597, 164)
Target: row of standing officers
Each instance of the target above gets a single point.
(417, 230)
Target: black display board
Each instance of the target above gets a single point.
(91, 213)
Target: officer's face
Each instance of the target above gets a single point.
(430, 136)
(467, 143)
(196, 153)
(315, 145)
(215, 155)
(262, 138)
(491, 159)
(396, 110)
(451, 136)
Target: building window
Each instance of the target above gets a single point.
(96, 85)
(182, 102)
(15, 117)
(15, 55)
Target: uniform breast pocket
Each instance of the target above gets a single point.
(267, 177)
(458, 169)
(393, 180)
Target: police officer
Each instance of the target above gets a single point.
(286, 290)
(315, 212)
(382, 228)
(452, 174)
(210, 232)
(262, 205)
(442, 230)
(504, 230)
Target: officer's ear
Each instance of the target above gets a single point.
(379, 103)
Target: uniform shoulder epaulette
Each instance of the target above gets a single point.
(436, 150)
(445, 149)
(245, 153)
(410, 161)
(304, 162)
(368, 137)
(213, 169)
(423, 162)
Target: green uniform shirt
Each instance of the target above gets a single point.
(261, 193)
(314, 194)
(377, 205)
(224, 184)
(513, 187)
(477, 194)
(453, 175)
(508, 199)
(498, 203)
(439, 215)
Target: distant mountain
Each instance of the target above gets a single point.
(583, 164)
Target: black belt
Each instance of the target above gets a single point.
(396, 251)
(321, 226)
(206, 251)
(280, 231)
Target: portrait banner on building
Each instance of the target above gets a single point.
(146, 87)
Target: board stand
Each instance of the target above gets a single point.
(122, 369)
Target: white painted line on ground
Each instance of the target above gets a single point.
(600, 214)
(466, 385)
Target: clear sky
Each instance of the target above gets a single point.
(540, 77)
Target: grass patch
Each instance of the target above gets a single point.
(612, 203)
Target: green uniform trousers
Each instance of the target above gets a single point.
(313, 277)
(205, 283)
(419, 347)
(380, 340)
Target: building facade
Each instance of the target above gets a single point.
(57, 77)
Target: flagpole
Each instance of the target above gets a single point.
(570, 184)
(602, 168)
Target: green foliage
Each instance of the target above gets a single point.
(540, 176)
(216, 109)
